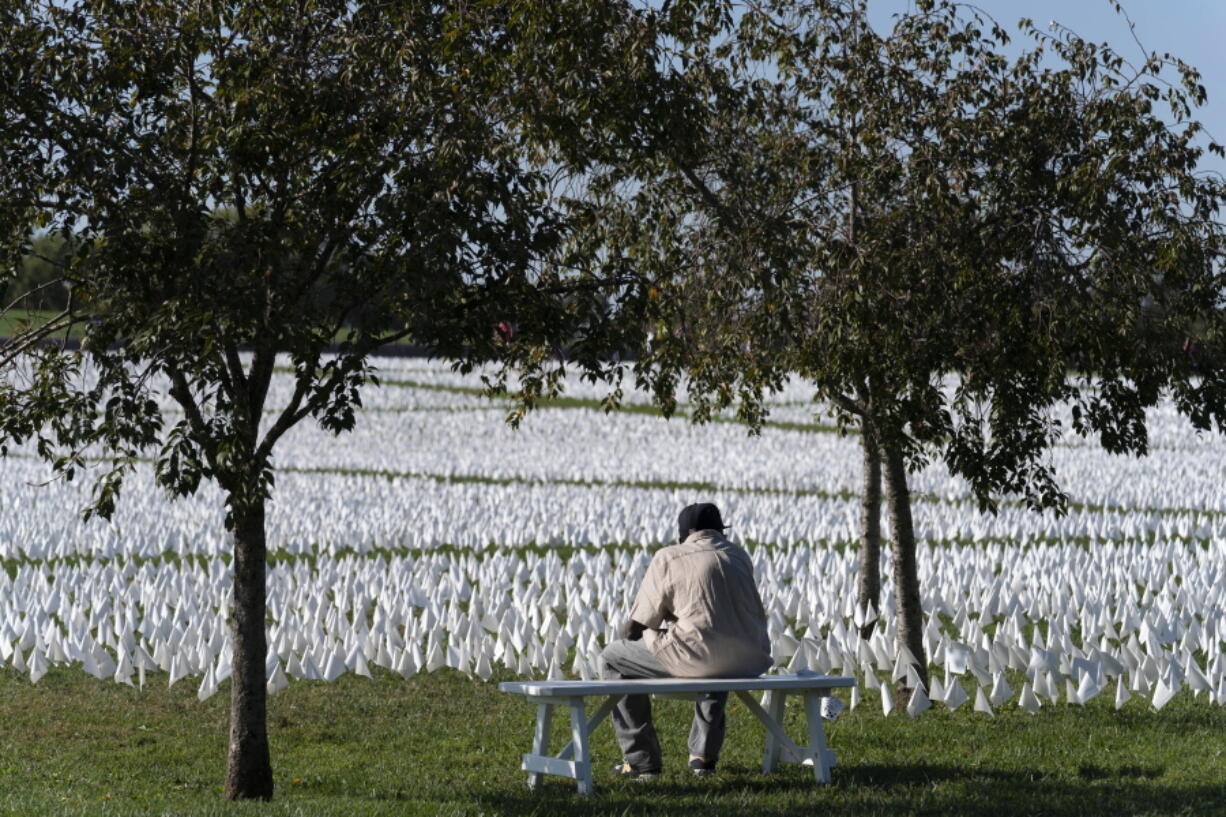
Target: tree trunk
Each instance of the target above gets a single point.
(248, 767)
(907, 611)
(869, 589)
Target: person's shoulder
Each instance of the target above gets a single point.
(681, 551)
(666, 554)
(723, 542)
(734, 550)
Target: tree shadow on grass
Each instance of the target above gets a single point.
(1176, 722)
(886, 777)
(885, 790)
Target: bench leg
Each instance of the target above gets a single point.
(781, 747)
(579, 734)
(773, 703)
(540, 739)
(602, 712)
(540, 762)
(817, 737)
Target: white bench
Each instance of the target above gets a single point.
(575, 760)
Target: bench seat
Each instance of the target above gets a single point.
(574, 761)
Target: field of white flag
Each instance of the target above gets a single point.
(436, 536)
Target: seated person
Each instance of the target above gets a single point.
(703, 588)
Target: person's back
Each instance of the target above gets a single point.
(704, 588)
(697, 614)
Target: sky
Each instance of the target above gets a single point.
(1193, 30)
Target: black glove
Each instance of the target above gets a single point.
(634, 630)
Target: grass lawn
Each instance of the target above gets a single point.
(16, 320)
(442, 744)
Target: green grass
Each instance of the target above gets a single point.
(17, 320)
(442, 744)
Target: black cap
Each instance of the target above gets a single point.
(700, 516)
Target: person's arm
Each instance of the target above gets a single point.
(652, 605)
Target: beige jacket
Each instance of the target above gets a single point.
(704, 588)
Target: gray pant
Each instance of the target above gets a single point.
(632, 715)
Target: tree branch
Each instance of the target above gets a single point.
(295, 412)
(182, 394)
(850, 406)
(38, 288)
(288, 417)
(257, 386)
(32, 337)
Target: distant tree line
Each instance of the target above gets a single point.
(39, 281)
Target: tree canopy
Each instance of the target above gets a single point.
(241, 180)
(950, 244)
